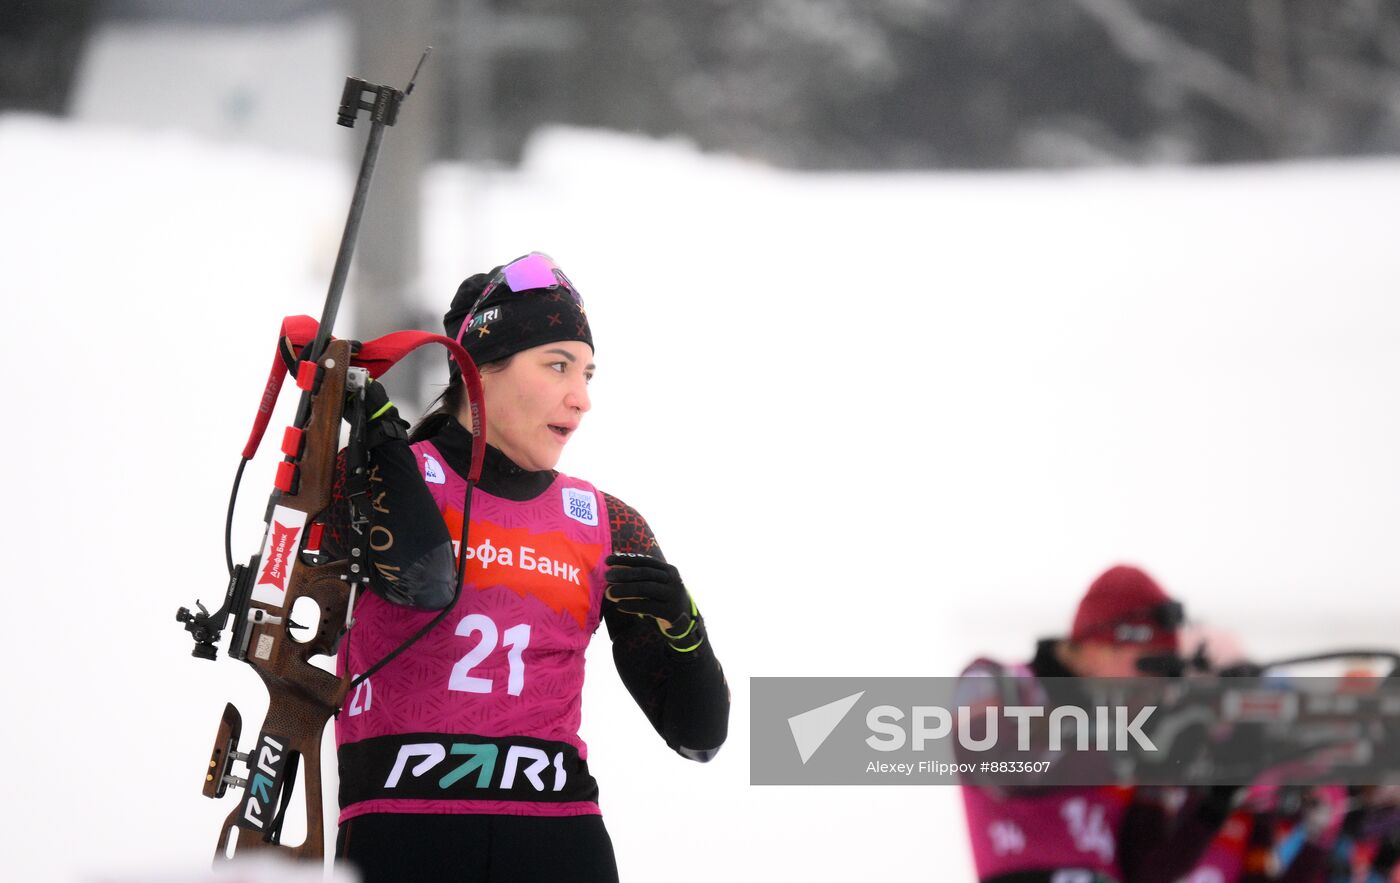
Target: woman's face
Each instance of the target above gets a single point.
(535, 404)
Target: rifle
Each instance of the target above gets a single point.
(332, 375)
(1269, 722)
(1247, 724)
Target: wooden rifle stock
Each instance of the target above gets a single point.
(302, 696)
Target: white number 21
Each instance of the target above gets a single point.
(516, 639)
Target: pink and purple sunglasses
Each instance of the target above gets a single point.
(532, 271)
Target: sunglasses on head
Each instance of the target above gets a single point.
(1168, 616)
(535, 270)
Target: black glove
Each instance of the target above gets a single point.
(382, 420)
(646, 586)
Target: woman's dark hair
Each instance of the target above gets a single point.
(447, 406)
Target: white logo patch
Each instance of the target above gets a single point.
(581, 506)
(432, 471)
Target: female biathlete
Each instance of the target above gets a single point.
(460, 759)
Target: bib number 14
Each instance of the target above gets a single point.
(515, 639)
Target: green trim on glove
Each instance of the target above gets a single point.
(381, 412)
(690, 629)
(694, 617)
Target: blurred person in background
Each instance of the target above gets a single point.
(498, 682)
(1124, 626)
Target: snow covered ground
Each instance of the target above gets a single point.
(883, 423)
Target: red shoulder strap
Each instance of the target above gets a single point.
(377, 356)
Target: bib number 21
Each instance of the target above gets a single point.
(514, 640)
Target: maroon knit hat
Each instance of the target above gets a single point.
(1126, 606)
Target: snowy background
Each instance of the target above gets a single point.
(882, 422)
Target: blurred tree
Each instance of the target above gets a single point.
(204, 12)
(881, 83)
(41, 44)
(389, 40)
(1267, 79)
(988, 83)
